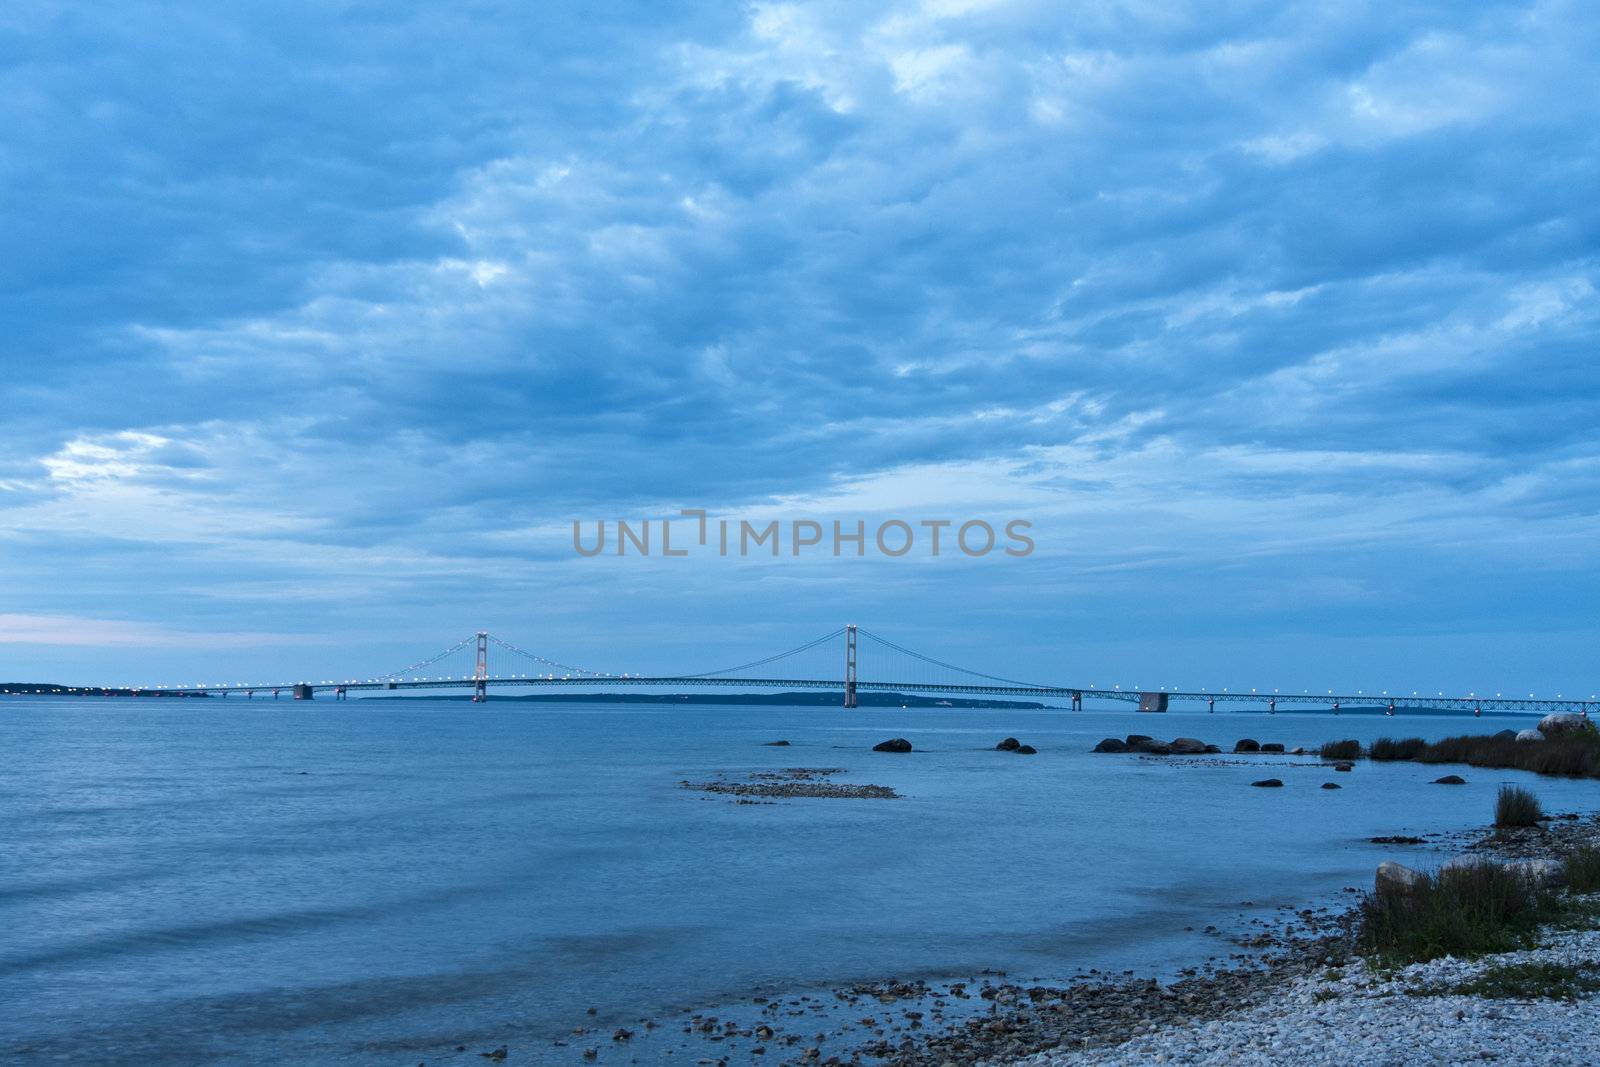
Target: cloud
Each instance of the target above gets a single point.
(78, 632)
(309, 320)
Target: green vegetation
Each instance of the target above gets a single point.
(1528, 981)
(1387, 748)
(1573, 755)
(1342, 750)
(1516, 806)
(1461, 911)
(1581, 870)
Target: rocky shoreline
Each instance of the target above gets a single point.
(1316, 1002)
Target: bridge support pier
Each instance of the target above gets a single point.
(480, 673)
(850, 666)
(1077, 700)
(302, 691)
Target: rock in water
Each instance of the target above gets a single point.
(1506, 735)
(777, 744)
(1272, 746)
(1188, 746)
(1026, 750)
(894, 744)
(1332, 785)
(1008, 745)
(1246, 744)
(1151, 747)
(1562, 722)
(1133, 739)
(1212, 750)
(1396, 878)
(1344, 765)
(1529, 735)
(1111, 744)
(1450, 779)
(1268, 783)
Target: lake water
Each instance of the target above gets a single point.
(380, 881)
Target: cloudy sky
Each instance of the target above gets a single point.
(1278, 320)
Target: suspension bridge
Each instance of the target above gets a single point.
(850, 660)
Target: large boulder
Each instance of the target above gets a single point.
(1188, 746)
(1268, 783)
(1151, 747)
(1529, 735)
(1026, 750)
(1008, 745)
(1212, 750)
(1395, 877)
(1134, 739)
(1562, 722)
(894, 744)
(1245, 744)
(1111, 744)
(1506, 735)
(1272, 746)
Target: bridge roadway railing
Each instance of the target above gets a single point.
(1460, 703)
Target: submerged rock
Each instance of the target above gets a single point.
(1344, 765)
(1332, 785)
(1450, 779)
(894, 744)
(1394, 877)
(777, 744)
(1268, 783)
(1111, 744)
(1246, 744)
(1010, 744)
(1026, 750)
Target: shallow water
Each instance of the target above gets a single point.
(379, 881)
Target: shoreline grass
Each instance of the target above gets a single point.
(1571, 755)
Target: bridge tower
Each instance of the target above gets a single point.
(850, 665)
(480, 672)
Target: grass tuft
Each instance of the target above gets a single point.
(1462, 911)
(1342, 750)
(1581, 870)
(1387, 748)
(1516, 806)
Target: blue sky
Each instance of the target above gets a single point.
(1278, 320)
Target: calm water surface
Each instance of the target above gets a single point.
(379, 881)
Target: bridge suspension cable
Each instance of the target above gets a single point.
(431, 660)
(941, 663)
(564, 667)
(769, 659)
